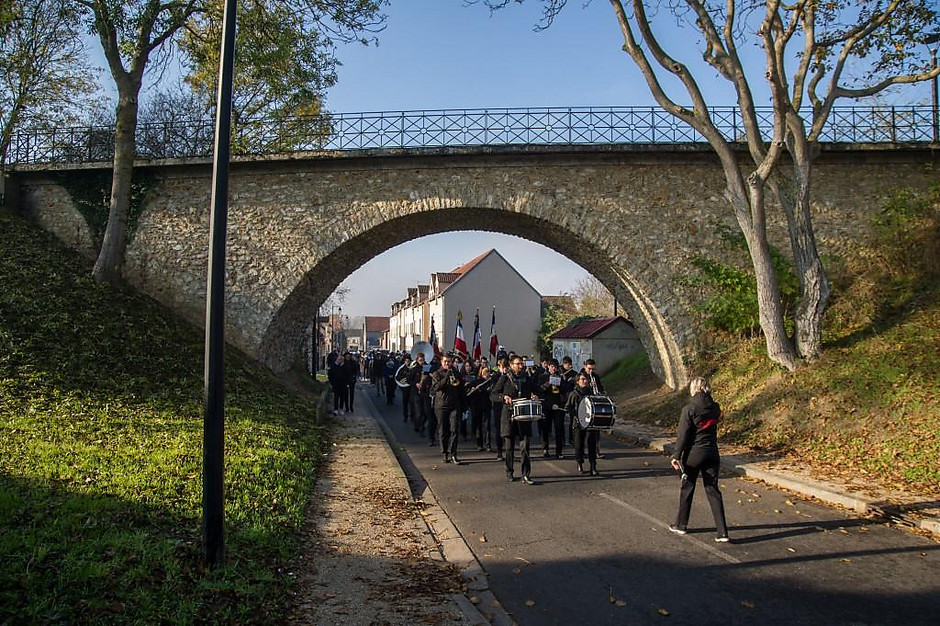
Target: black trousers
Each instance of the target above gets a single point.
(592, 437)
(431, 419)
(418, 416)
(509, 447)
(495, 416)
(709, 470)
(352, 395)
(553, 421)
(390, 391)
(447, 421)
(340, 398)
(405, 402)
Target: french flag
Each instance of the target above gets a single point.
(460, 344)
(477, 337)
(494, 339)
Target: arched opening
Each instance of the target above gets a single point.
(614, 264)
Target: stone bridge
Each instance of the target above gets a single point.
(631, 215)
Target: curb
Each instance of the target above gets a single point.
(450, 544)
(813, 489)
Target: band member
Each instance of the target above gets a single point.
(391, 367)
(405, 391)
(448, 389)
(502, 367)
(481, 408)
(415, 374)
(697, 451)
(510, 386)
(597, 387)
(575, 397)
(568, 375)
(552, 392)
(352, 377)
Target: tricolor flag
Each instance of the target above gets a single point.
(433, 340)
(494, 340)
(477, 337)
(460, 344)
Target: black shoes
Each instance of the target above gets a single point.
(510, 477)
(528, 480)
(580, 468)
(455, 460)
(594, 471)
(722, 539)
(545, 454)
(676, 529)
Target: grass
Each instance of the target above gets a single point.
(101, 456)
(869, 408)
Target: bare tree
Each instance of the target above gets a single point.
(42, 66)
(807, 47)
(592, 298)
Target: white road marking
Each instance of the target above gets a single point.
(652, 520)
(555, 467)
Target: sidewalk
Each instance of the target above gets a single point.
(923, 515)
(369, 555)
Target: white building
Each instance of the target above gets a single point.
(486, 281)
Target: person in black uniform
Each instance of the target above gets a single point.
(502, 367)
(552, 392)
(581, 390)
(448, 389)
(406, 408)
(568, 375)
(338, 375)
(597, 387)
(481, 407)
(697, 452)
(510, 386)
(415, 374)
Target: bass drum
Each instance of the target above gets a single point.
(597, 413)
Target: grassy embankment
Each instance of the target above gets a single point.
(101, 456)
(869, 408)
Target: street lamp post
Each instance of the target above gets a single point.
(213, 463)
(933, 41)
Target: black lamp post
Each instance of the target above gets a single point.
(933, 41)
(213, 463)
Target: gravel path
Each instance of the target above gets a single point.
(369, 557)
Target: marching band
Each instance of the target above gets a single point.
(453, 397)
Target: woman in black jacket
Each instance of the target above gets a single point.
(697, 451)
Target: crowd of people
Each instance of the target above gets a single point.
(449, 398)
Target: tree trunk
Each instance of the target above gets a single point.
(814, 285)
(111, 257)
(750, 212)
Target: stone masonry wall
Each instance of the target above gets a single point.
(297, 227)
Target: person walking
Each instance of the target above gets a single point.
(481, 408)
(515, 384)
(553, 394)
(448, 389)
(581, 390)
(697, 452)
(338, 375)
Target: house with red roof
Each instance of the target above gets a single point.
(607, 340)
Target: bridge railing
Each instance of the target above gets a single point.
(452, 128)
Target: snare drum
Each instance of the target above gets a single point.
(596, 413)
(525, 410)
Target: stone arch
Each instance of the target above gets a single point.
(606, 259)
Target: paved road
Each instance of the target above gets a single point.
(576, 549)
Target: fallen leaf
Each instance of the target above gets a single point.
(747, 605)
(845, 560)
(790, 503)
(530, 602)
(482, 538)
(516, 570)
(790, 550)
(662, 611)
(777, 511)
(610, 595)
(620, 603)
(474, 600)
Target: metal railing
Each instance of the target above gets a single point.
(567, 126)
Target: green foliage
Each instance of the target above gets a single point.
(730, 302)
(868, 406)
(100, 457)
(627, 369)
(553, 320)
(91, 194)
